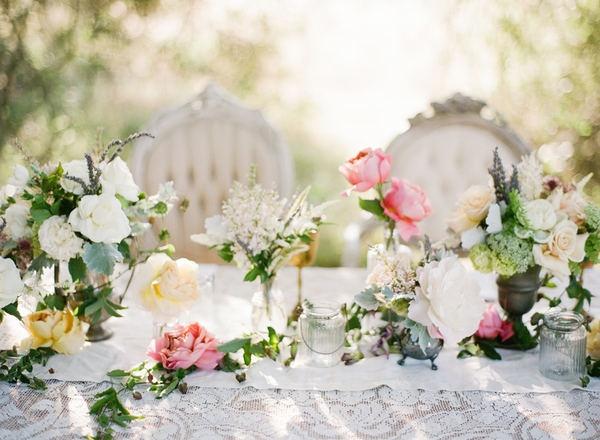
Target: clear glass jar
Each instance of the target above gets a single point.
(268, 310)
(322, 333)
(562, 346)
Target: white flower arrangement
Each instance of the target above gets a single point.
(83, 215)
(259, 230)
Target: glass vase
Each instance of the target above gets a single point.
(322, 333)
(563, 346)
(267, 309)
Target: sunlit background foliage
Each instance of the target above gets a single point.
(333, 76)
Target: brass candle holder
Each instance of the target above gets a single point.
(301, 260)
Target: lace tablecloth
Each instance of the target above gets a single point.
(234, 412)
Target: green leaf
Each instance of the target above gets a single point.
(233, 345)
(77, 269)
(373, 206)
(101, 257)
(125, 250)
(117, 373)
(489, 350)
(55, 302)
(578, 292)
(39, 215)
(40, 262)
(252, 274)
(353, 323)
(225, 253)
(11, 309)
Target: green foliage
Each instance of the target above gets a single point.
(511, 254)
(576, 291)
(592, 248)
(478, 347)
(101, 257)
(97, 302)
(108, 409)
(77, 269)
(592, 217)
(374, 207)
(15, 368)
(10, 309)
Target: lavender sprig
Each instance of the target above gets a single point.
(499, 176)
(120, 144)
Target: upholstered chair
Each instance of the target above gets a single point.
(445, 150)
(204, 146)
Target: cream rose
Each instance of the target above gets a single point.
(78, 169)
(540, 215)
(58, 240)
(117, 179)
(101, 219)
(57, 329)
(564, 245)
(11, 285)
(472, 207)
(166, 287)
(16, 217)
(447, 298)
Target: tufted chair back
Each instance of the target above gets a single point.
(203, 147)
(451, 149)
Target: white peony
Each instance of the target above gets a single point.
(16, 217)
(540, 215)
(530, 175)
(472, 207)
(216, 232)
(471, 237)
(58, 240)
(447, 298)
(166, 287)
(563, 246)
(572, 203)
(117, 179)
(78, 169)
(101, 219)
(11, 285)
(494, 219)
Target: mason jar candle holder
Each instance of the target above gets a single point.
(563, 346)
(322, 332)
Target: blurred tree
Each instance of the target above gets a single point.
(549, 89)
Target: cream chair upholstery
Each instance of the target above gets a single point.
(203, 147)
(445, 151)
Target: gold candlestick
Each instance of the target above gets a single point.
(302, 260)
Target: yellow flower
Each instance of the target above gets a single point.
(58, 329)
(593, 340)
(167, 287)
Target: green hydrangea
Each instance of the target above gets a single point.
(511, 254)
(592, 248)
(482, 258)
(592, 217)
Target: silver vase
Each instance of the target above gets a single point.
(411, 349)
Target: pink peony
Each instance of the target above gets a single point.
(186, 346)
(407, 204)
(492, 326)
(367, 169)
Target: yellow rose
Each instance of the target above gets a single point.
(167, 287)
(57, 329)
(472, 208)
(593, 340)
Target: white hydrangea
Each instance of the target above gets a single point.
(58, 240)
(530, 177)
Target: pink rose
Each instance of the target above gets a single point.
(492, 326)
(186, 346)
(407, 204)
(367, 169)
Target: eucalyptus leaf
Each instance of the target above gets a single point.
(101, 257)
(366, 299)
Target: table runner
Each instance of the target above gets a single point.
(227, 315)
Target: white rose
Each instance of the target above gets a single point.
(117, 179)
(7, 191)
(11, 285)
(564, 245)
(471, 237)
(216, 232)
(101, 219)
(16, 217)
(166, 287)
(78, 169)
(472, 207)
(448, 298)
(20, 176)
(540, 215)
(58, 240)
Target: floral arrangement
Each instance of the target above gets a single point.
(530, 219)
(432, 299)
(63, 229)
(261, 232)
(401, 207)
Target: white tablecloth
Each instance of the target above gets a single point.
(411, 404)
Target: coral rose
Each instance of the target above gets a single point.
(492, 326)
(186, 346)
(367, 169)
(407, 204)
